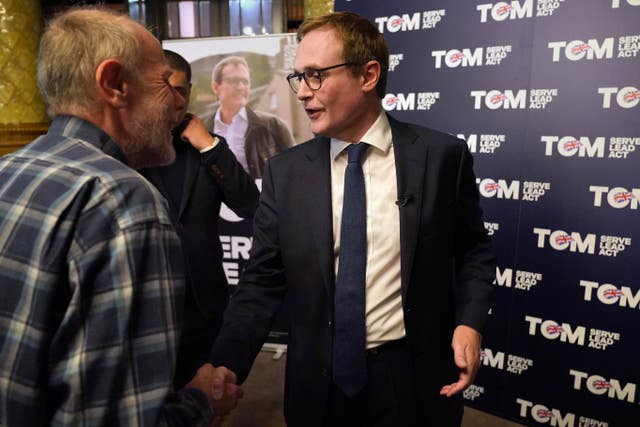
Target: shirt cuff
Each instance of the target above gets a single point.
(211, 147)
(188, 407)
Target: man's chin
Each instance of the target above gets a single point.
(167, 161)
(316, 129)
(168, 156)
(242, 102)
(156, 157)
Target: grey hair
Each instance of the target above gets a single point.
(73, 46)
(216, 74)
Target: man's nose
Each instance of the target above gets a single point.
(180, 101)
(303, 90)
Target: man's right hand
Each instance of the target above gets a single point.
(219, 384)
(196, 134)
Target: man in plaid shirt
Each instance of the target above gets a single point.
(90, 265)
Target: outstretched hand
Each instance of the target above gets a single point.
(466, 355)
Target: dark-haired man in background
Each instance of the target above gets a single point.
(204, 175)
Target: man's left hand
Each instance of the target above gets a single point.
(466, 354)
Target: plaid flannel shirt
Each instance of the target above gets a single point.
(92, 289)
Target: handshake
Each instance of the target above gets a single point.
(219, 384)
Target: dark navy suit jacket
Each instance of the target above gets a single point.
(447, 269)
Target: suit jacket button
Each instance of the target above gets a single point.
(217, 171)
(323, 372)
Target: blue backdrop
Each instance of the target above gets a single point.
(546, 95)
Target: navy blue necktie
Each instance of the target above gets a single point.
(349, 338)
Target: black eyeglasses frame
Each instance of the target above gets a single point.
(312, 73)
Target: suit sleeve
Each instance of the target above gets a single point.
(475, 262)
(259, 293)
(239, 190)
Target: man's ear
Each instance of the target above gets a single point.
(370, 75)
(214, 88)
(111, 83)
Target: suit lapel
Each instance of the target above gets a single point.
(411, 159)
(318, 210)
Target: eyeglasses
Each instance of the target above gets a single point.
(312, 77)
(236, 81)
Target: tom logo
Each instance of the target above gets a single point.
(500, 189)
(584, 146)
(470, 57)
(531, 190)
(513, 100)
(495, 99)
(552, 330)
(545, 415)
(616, 197)
(626, 97)
(409, 101)
(454, 58)
(576, 50)
(569, 146)
(513, 10)
(542, 414)
(610, 294)
(598, 339)
(410, 21)
(561, 240)
(602, 386)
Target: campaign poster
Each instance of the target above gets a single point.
(270, 59)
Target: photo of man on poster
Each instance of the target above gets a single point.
(253, 136)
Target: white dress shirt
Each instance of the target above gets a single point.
(234, 133)
(384, 316)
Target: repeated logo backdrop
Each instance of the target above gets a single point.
(547, 95)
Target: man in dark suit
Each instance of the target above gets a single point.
(204, 174)
(424, 267)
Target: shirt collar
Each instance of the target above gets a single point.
(77, 128)
(378, 136)
(242, 114)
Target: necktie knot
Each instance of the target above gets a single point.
(356, 151)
